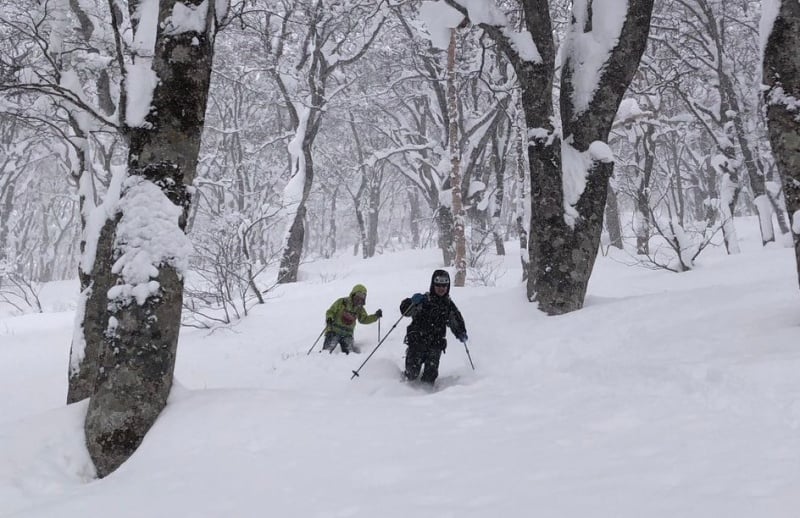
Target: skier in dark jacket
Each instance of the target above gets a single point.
(431, 313)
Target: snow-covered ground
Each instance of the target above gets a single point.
(669, 395)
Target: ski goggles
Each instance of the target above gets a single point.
(441, 280)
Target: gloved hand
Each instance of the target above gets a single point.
(462, 337)
(329, 321)
(417, 298)
(379, 313)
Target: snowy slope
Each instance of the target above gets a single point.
(668, 395)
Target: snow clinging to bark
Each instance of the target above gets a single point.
(769, 12)
(141, 79)
(486, 11)
(187, 18)
(439, 18)
(293, 192)
(97, 217)
(523, 43)
(576, 166)
(78, 348)
(221, 7)
(778, 96)
(148, 236)
(588, 52)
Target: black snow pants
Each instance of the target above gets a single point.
(417, 357)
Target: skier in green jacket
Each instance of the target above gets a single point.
(340, 319)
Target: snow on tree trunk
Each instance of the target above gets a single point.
(765, 212)
(147, 250)
(88, 332)
(295, 235)
(725, 167)
(729, 192)
(757, 184)
(781, 73)
(569, 180)
(94, 272)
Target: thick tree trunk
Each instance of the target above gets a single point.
(83, 366)
(292, 252)
(562, 256)
(138, 351)
(782, 76)
(89, 335)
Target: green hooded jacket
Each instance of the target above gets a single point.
(344, 312)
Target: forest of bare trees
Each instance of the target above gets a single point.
(183, 158)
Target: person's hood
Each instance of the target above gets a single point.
(439, 275)
(359, 288)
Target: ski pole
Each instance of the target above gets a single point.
(355, 372)
(468, 355)
(317, 340)
(379, 329)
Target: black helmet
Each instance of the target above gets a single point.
(440, 278)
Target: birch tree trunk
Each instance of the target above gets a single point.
(460, 259)
(781, 74)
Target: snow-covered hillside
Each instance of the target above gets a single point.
(667, 396)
